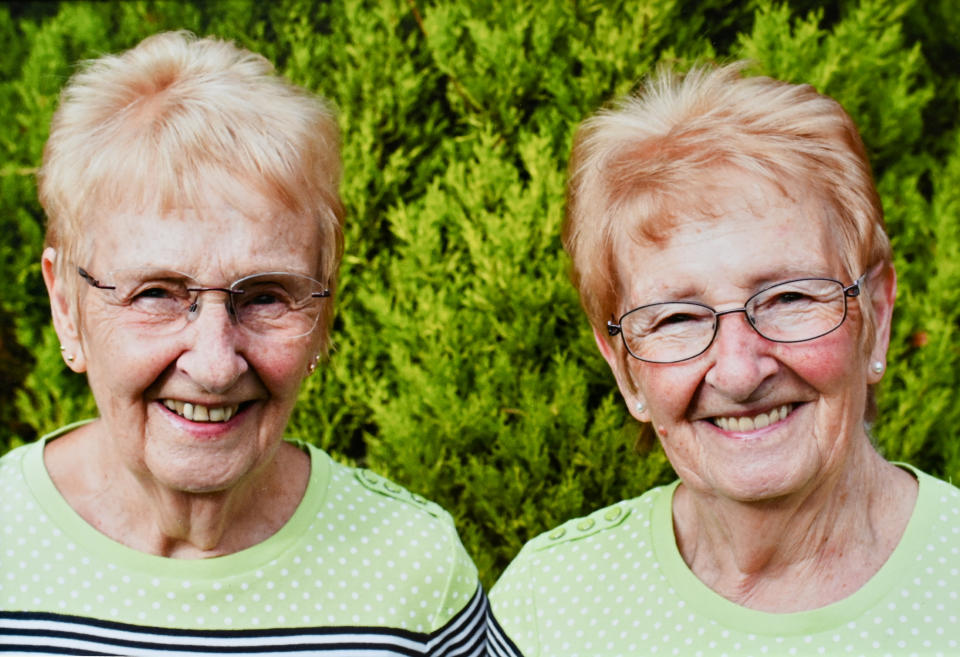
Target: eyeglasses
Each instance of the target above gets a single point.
(792, 311)
(280, 305)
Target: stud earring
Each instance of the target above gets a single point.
(67, 356)
(313, 364)
(877, 367)
(641, 407)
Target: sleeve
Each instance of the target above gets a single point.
(463, 612)
(512, 626)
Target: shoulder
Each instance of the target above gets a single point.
(361, 484)
(609, 528)
(940, 500)
(599, 524)
(12, 466)
(564, 562)
(395, 521)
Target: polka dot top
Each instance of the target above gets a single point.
(359, 552)
(614, 583)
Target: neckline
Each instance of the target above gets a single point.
(77, 530)
(729, 614)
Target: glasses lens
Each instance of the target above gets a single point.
(158, 300)
(277, 304)
(667, 332)
(798, 310)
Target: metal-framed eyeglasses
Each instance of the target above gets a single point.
(797, 310)
(276, 305)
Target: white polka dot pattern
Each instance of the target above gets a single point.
(611, 585)
(351, 555)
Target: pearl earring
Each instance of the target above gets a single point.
(313, 364)
(641, 407)
(877, 367)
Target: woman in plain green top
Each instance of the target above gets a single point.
(728, 245)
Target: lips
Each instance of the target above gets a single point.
(752, 423)
(200, 412)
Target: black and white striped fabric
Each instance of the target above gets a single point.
(498, 643)
(41, 633)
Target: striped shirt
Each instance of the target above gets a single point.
(363, 567)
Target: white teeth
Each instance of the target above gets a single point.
(201, 413)
(759, 421)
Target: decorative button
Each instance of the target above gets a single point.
(419, 499)
(612, 514)
(557, 533)
(370, 476)
(392, 487)
(586, 524)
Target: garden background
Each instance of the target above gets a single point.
(462, 366)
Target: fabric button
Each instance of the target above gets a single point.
(586, 524)
(557, 533)
(612, 514)
(392, 487)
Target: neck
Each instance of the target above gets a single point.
(140, 513)
(820, 544)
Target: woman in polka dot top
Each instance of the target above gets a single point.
(728, 245)
(193, 244)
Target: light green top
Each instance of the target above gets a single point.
(359, 551)
(614, 583)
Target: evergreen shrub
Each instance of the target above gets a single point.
(462, 365)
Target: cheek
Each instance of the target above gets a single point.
(667, 389)
(831, 364)
(282, 368)
(120, 361)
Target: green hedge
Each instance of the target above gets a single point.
(462, 365)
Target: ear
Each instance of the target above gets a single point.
(881, 292)
(631, 395)
(65, 317)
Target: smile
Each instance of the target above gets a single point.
(201, 413)
(753, 423)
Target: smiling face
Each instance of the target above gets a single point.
(750, 419)
(205, 407)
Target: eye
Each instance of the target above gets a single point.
(156, 292)
(263, 299)
(263, 295)
(150, 292)
(157, 298)
(791, 296)
(677, 318)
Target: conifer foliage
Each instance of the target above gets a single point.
(462, 365)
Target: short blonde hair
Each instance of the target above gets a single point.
(156, 126)
(635, 165)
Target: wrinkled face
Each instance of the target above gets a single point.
(748, 419)
(202, 408)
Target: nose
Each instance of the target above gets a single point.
(740, 360)
(212, 357)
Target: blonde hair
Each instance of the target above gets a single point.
(635, 165)
(158, 126)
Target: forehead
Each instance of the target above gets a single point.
(222, 240)
(741, 236)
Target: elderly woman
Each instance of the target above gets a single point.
(193, 243)
(728, 246)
